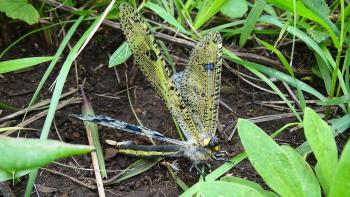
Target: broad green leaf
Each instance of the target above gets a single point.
(235, 8)
(341, 182)
(320, 137)
(306, 176)
(120, 55)
(318, 6)
(223, 188)
(338, 124)
(252, 18)
(248, 183)
(21, 154)
(4, 176)
(17, 64)
(166, 16)
(20, 9)
(317, 35)
(269, 160)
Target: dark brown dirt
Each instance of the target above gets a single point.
(17, 88)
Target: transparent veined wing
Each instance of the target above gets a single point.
(200, 83)
(149, 59)
(127, 127)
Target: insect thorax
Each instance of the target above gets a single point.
(197, 154)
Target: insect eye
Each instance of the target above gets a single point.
(214, 142)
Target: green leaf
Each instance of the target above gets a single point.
(341, 182)
(306, 176)
(317, 35)
(20, 9)
(206, 11)
(297, 32)
(21, 154)
(303, 11)
(248, 183)
(252, 18)
(287, 67)
(120, 55)
(223, 188)
(92, 129)
(320, 137)
(53, 64)
(137, 168)
(4, 176)
(318, 6)
(338, 124)
(324, 71)
(235, 8)
(336, 100)
(17, 64)
(166, 16)
(60, 80)
(270, 160)
(275, 74)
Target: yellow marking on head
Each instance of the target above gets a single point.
(216, 148)
(206, 141)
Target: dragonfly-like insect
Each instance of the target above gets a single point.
(192, 95)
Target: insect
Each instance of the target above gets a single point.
(192, 95)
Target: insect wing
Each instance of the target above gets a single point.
(200, 82)
(127, 127)
(149, 59)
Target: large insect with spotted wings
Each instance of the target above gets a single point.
(192, 95)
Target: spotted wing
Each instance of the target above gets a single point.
(200, 82)
(150, 61)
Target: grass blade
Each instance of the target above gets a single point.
(17, 64)
(52, 64)
(61, 78)
(92, 131)
(252, 18)
(166, 16)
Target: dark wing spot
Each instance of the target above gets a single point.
(182, 106)
(152, 55)
(209, 66)
(133, 128)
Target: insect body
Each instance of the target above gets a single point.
(192, 96)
